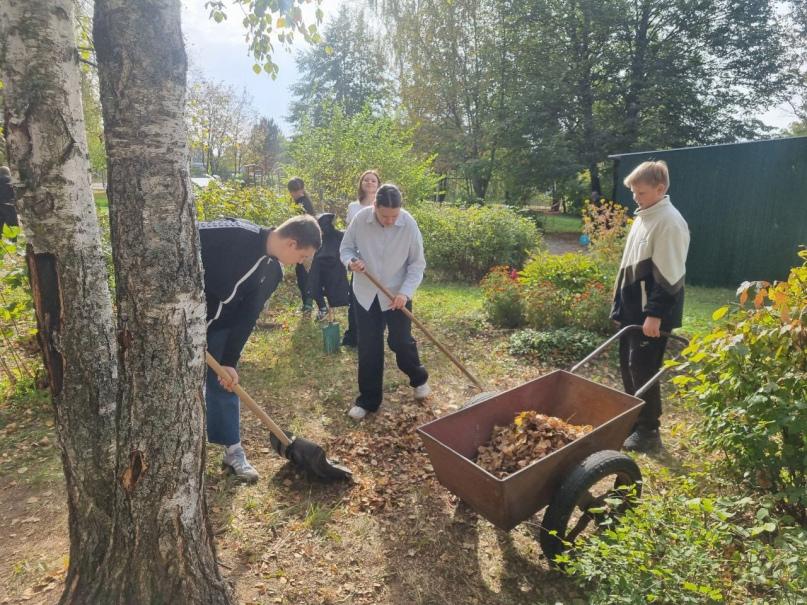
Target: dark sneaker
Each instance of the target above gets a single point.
(237, 463)
(643, 441)
(322, 315)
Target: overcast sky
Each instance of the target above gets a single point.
(220, 50)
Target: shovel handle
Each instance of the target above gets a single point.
(418, 323)
(242, 394)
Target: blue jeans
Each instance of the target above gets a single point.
(223, 407)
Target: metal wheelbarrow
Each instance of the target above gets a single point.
(582, 484)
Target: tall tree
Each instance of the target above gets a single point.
(350, 68)
(454, 63)
(163, 543)
(266, 147)
(129, 410)
(598, 77)
(47, 148)
(220, 119)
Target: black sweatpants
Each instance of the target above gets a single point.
(640, 357)
(371, 324)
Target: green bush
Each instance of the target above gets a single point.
(680, 548)
(749, 381)
(504, 302)
(464, 243)
(256, 204)
(19, 357)
(562, 346)
(565, 291)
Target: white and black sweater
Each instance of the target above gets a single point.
(239, 279)
(651, 275)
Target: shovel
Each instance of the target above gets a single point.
(417, 322)
(302, 452)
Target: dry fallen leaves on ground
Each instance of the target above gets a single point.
(529, 438)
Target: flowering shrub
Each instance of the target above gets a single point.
(749, 381)
(607, 228)
(565, 291)
(503, 297)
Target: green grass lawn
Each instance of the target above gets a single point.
(101, 200)
(562, 223)
(699, 305)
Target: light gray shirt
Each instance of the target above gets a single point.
(354, 208)
(394, 255)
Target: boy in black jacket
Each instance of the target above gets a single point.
(649, 292)
(243, 265)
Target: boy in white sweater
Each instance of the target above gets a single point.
(649, 292)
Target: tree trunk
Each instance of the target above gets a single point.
(162, 549)
(47, 148)
(637, 79)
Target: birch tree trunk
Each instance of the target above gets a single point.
(130, 418)
(162, 548)
(47, 148)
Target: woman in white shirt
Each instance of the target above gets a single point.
(369, 182)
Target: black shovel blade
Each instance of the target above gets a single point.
(308, 455)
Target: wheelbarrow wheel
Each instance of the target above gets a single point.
(479, 398)
(602, 487)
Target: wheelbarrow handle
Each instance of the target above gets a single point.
(598, 351)
(418, 323)
(250, 403)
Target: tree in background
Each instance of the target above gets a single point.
(220, 120)
(536, 92)
(331, 156)
(795, 23)
(454, 63)
(350, 69)
(266, 147)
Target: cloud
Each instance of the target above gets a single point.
(220, 51)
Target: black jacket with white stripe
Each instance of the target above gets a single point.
(239, 279)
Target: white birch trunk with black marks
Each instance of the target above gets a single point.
(47, 150)
(130, 418)
(162, 550)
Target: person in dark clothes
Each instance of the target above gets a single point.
(8, 213)
(243, 265)
(296, 187)
(327, 277)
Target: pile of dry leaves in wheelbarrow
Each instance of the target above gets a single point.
(529, 438)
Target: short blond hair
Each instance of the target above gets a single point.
(649, 173)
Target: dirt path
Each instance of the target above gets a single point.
(562, 243)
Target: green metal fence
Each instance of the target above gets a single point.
(745, 203)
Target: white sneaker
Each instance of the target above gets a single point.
(237, 463)
(422, 391)
(357, 413)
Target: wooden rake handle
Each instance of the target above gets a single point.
(242, 394)
(418, 323)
